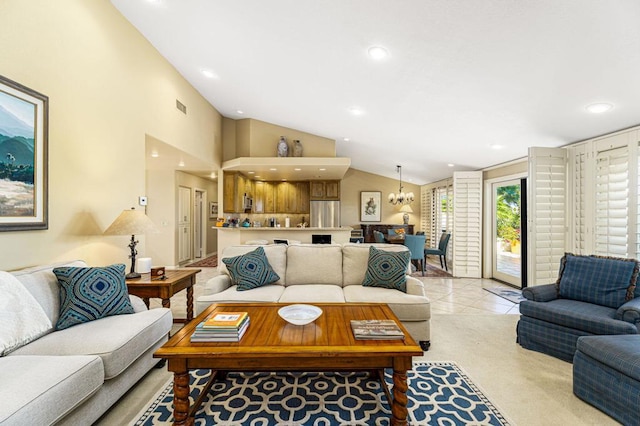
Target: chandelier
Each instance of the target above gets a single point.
(401, 198)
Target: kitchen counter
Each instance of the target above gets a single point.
(241, 235)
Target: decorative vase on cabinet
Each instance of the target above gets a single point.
(297, 148)
(283, 148)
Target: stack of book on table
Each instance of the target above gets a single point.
(376, 330)
(222, 327)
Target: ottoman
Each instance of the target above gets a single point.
(606, 374)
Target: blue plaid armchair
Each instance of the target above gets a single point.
(593, 296)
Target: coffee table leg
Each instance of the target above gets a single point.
(166, 303)
(189, 303)
(399, 407)
(181, 399)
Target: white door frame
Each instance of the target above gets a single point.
(200, 226)
(488, 232)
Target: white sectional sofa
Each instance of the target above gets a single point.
(317, 273)
(75, 375)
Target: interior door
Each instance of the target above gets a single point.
(198, 231)
(507, 227)
(184, 224)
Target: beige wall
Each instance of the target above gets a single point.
(107, 88)
(507, 170)
(356, 181)
(255, 138)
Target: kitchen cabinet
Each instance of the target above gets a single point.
(292, 197)
(325, 190)
(264, 197)
(235, 187)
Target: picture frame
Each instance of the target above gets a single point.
(24, 144)
(370, 206)
(213, 209)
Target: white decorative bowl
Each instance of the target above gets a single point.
(299, 314)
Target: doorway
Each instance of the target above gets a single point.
(507, 241)
(199, 231)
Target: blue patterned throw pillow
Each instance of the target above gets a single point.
(251, 270)
(88, 294)
(387, 269)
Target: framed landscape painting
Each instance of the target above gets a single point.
(23, 157)
(370, 206)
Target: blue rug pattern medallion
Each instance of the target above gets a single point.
(439, 394)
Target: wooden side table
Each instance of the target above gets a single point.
(176, 280)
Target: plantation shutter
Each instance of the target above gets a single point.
(546, 211)
(580, 175)
(612, 202)
(467, 224)
(426, 207)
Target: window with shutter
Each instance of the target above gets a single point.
(611, 202)
(546, 209)
(467, 224)
(579, 224)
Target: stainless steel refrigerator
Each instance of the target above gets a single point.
(325, 214)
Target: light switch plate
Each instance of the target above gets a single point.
(142, 200)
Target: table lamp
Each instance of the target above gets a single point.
(131, 222)
(406, 209)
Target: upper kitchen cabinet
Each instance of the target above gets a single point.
(264, 197)
(292, 197)
(236, 188)
(325, 190)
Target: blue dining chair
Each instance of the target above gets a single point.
(378, 237)
(440, 251)
(415, 243)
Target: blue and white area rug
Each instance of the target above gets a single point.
(439, 394)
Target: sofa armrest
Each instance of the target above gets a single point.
(415, 287)
(630, 311)
(137, 303)
(217, 284)
(541, 293)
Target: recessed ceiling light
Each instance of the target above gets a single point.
(599, 107)
(181, 164)
(356, 111)
(322, 169)
(378, 53)
(155, 154)
(450, 164)
(239, 111)
(273, 169)
(346, 139)
(297, 169)
(257, 176)
(251, 173)
(209, 74)
(284, 180)
(495, 146)
(213, 175)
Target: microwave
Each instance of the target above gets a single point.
(247, 202)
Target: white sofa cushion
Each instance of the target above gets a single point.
(118, 340)
(407, 307)
(276, 254)
(314, 264)
(267, 293)
(22, 318)
(313, 293)
(43, 285)
(40, 390)
(356, 258)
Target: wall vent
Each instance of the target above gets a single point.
(182, 107)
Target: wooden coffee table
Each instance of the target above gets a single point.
(272, 344)
(176, 280)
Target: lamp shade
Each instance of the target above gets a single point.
(131, 222)
(406, 208)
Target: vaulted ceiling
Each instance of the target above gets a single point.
(466, 84)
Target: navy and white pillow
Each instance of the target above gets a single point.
(88, 294)
(250, 270)
(387, 269)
